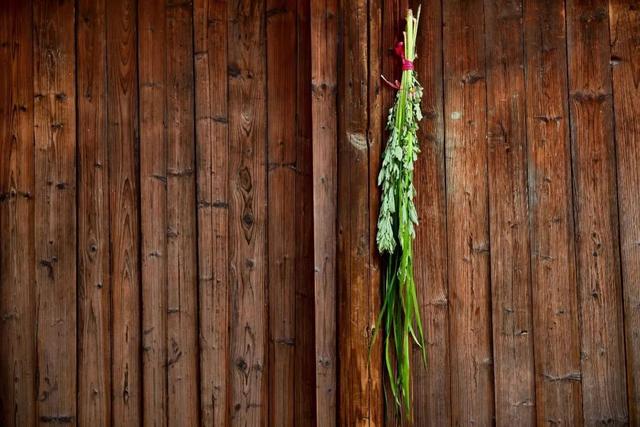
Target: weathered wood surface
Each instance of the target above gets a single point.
(467, 213)
(624, 24)
(212, 157)
(248, 271)
(122, 134)
(553, 271)
(324, 76)
(509, 214)
(94, 260)
(375, 146)
(602, 353)
(182, 272)
(199, 248)
(282, 72)
(18, 374)
(360, 393)
(305, 374)
(152, 85)
(54, 98)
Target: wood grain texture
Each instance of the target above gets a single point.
(467, 213)
(212, 157)
(215, 262)
(324, 69)
(152, 86)
(282, 207)
(624, 23)
(305, 377)
(122, 134)
(94, 282)
(375, 147)
(17, 240)
(431, 387)
(509, 215)
(182, 290)
(555, 317)
(596, 214)
(247, 213)
(55, 209)
(360, 392)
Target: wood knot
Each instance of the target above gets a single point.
(244, 177)
(247, 219)
(233, 70)
(357, 140)
(472, 78)
(241, 364)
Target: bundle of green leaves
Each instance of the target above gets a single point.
(400, 313)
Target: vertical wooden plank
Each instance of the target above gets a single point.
(282, 155)
(17, 244)
(305, 373)
(431, 387)
(247, 212)
(153, 202)
(182, 309)
(393, 24)
(509, 216)
(555, 317)
(212, 156)
(375, 124)
(55, 209)
(625, 58)
(122, 111)
(324, 49)
(360, 394)
(596, 213)
(352, 275)
(467, 213)
(94, 283)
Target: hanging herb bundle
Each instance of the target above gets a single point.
(400, 314)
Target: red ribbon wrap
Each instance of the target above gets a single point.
(406, 65)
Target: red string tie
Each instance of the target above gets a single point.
(406, 65)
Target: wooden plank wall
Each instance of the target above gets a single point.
(188, 208)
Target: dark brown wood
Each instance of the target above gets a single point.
(509, 216)
(94, 282)
(431, 388)
(555, 317)
(182, 291)
(374, 139)
(305, 376)
(247, 213)
(122, 131)
(17, 243)
(467, 213)
(360, 393)
(152, 86)
(393, 24)
(282, 155)
(596, 213)
(55, 209)
(212, 154)
(324, 68)
(624, 22)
